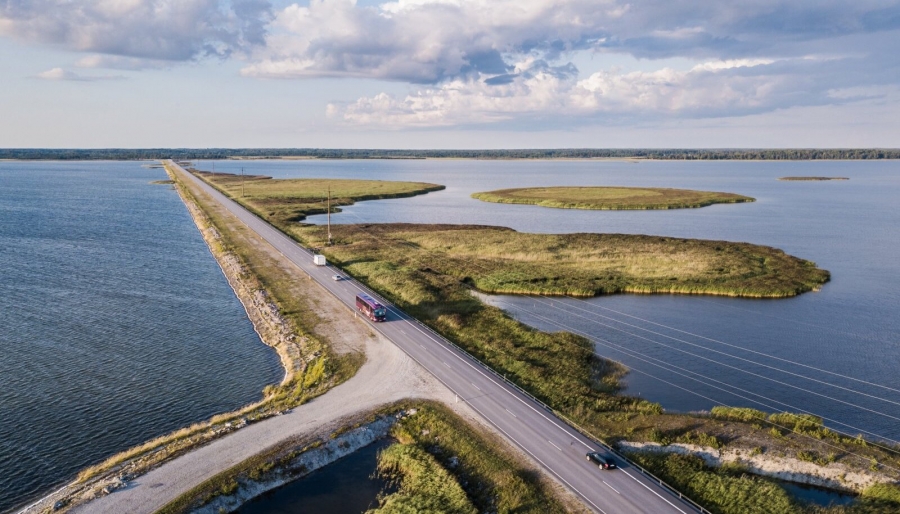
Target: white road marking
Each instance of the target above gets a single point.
(449, 366)
(557, 447)
(511, 412)
(654, 492)
(611, 487)
(475, 386)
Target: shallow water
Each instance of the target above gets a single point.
(343, 487)
(116, 323)
(817, 496)
(834, 353)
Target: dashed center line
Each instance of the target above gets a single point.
(475, 386)
(449, 366)
(511, 412)
(557, 447)
(611, 487)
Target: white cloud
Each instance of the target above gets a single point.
(427, 41)
(61, 74)
(536, 92)
(117, 62)
(174, 30)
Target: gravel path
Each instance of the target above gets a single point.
(388, 375)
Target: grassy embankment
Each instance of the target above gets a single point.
(428, 270)
(610, 198)
(441, 464)
(311, 365)
(812, 178)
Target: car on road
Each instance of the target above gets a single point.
(337, 278)
(600, 460)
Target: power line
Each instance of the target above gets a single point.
(740, 369)
(748, 350)
(629, 351)
(614, 346)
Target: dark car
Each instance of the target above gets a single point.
(601, 461)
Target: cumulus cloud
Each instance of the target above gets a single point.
(428, 41)
(537, 91)
(61, 74)
(173, 30)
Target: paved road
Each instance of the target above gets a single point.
(557, 447)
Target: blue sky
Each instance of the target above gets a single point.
(449, 73)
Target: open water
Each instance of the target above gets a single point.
(834, 353)
(116, 324)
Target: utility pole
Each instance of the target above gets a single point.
(242, 182)
(329, 215)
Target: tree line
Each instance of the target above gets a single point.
(796, 154)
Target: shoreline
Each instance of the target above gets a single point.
(271, 328)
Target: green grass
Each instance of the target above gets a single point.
(721, 491)
(423, 484)
(610, 198)
(439, 456)
(730, 490)
(501, 260)
(291, 200)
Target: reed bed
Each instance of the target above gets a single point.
(610, 198)
(442, 464)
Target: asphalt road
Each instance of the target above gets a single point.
(557, 447)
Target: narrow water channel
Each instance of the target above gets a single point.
(344, 487)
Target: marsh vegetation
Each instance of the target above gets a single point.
(442, 464)
(610, 198)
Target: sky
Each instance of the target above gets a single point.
(449, 73)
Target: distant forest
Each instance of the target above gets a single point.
(800, 154)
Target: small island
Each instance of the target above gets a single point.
(813, 178)
(293, 199)
(610, 198)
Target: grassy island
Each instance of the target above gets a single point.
(812, 178)
(289, 200)
(610, 198)
(501, 260)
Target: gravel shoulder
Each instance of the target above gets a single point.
(387, 376)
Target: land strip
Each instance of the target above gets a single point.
(801, 179)
(610, 198)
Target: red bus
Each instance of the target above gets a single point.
(372, 309)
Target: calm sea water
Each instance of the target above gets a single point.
(116, 324)
(835, 353)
